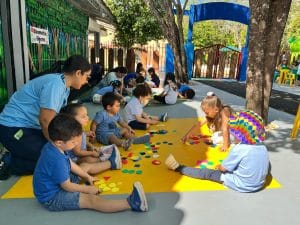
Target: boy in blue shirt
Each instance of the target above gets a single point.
(105, 125)
(247, 164)
(55, 179)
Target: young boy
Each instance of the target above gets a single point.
(105, 125)
(247, 165)
(55, 179)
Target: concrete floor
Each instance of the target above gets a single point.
(268, 207)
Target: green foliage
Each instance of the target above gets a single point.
(134, 22)
(212, 32)
(292, 29)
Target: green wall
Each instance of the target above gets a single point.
(67, 27)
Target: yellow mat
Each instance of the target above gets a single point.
(155, 178)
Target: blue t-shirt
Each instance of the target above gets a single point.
(105, 122)
(52, 169)
(23, 108)
(247, 167)
(183, 88)
(104, 90)
(83, 147)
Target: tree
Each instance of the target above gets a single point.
(134, 22)
(163, 10)
(267, 22)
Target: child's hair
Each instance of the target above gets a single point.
(139, 67)
(190, 93)
(63, 127)
(116, 84)
(151, 70)
(109, 99)
(140, 79)
(212, 101)
(120, 69)
(142, 90)
(71, 109)
(169, 76)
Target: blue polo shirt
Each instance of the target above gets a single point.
(23, 109)
(247, 167)
(52, 169)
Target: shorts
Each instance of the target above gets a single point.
(64, 200)
(137, 125)
(104, 136)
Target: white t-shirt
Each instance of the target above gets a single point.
(172, 93)
(133, 108)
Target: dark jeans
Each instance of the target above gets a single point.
(161, 99)
(136, 125)
(24, 150)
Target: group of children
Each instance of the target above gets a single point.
(66, 157)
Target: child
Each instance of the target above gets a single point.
(55, 179)
(105, 125)
(170, 93)
(115, 86)
(247, 165)
(154, 77)
(80, 153)
(136, 118)
(217, 116)
(184, 91)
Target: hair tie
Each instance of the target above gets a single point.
(210, 93)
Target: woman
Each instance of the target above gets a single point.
(25, 118)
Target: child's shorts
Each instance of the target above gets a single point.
(104, 136)
(137, 125)
(64, 200)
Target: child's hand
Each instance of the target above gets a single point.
(91, 180)
(92, 139)
(224, 148)
(153, 122)
(91, 134)
(130, 130)
(92, 190)
(96, 154)
(185, 138)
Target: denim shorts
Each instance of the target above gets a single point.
(104, 136)
(64, 200)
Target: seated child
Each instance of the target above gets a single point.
(134, 114)
(115, 87)
(184, 91)
(85, 152)
(247, 164)
(170, 93)
(56, 177)
(217, 116)
(154, 77)
(105, 125)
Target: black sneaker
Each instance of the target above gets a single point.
(164, 117)
(4, 166)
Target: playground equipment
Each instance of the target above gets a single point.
(296, 124)
(212, 11)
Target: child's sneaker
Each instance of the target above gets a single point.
(137, 200)
(126, 144)
(115, 159)
(106, 151)
(164, 117)
(171, 162)
(4, 165)
(141, 140)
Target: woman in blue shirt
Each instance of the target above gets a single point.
(25, 118)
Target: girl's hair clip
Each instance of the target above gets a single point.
(210, 93)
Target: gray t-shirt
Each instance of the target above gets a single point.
(133, 108)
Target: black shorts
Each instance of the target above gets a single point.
(137, 125)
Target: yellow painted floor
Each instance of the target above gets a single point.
(155, 178)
